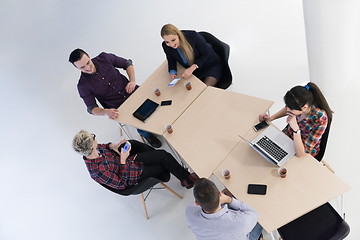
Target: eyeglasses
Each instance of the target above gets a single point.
(93, 136)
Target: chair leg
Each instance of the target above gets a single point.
(327, 165)
(170, 190)
(144, 205)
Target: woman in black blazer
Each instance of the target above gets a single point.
(190, 49)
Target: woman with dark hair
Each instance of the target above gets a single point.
(191, 50)
(308, 116)
(110, 165)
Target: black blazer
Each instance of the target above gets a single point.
(205, 55)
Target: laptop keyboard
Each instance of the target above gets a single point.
(272, 148)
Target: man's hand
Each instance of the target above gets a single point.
(130, 87)
(112, 113)
(225, 199)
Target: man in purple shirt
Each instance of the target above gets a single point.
(101, 80)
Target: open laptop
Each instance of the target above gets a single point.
(273, 145)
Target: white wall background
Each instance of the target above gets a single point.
(333, 36)
(46, 192)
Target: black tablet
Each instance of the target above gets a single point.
(257, 189)
(145, 110)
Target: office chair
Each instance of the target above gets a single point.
(323, 143)
(223, 50)
(148, 183)
(141, 187)
(322, 223)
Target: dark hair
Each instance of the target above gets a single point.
(309, 94)
(76, 55)
(206, 194)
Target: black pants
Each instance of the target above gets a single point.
(156, 162)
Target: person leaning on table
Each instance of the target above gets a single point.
(308, 115)
(216, 216)
(101, 80)
(191, 50)
(119, 170)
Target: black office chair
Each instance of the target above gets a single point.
(323, 223)
(147, 184)
(223, 50)
(323, 143)
(140, 188)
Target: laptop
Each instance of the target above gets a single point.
(145, 110)
(273, 145)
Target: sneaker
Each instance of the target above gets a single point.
(154, 141)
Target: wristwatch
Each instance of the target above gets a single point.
(297, 131)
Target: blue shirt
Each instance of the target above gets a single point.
(233, 222)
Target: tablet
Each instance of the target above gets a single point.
(145, 110)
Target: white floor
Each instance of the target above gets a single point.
(46, 191)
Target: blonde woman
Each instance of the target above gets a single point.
(190, 49)
(110, 165)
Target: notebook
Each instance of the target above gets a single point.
(145, 110)
(273, 145)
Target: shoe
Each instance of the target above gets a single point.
(193, 177)
(184, 183)
(154, 141)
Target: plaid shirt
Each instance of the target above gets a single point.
(108, 170)
(312, 128)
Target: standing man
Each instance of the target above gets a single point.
(101, 80)
(216, 216)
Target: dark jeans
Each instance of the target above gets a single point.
(145, 134)
(156, 162)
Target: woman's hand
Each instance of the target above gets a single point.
(264, 117)
(291, 120)
(124, 155)
(189, 71)
(172, 76)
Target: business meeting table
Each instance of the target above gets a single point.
(206, 124)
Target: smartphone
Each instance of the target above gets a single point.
(126, 147)
(165, 103)
(257, 189)
(261, 125)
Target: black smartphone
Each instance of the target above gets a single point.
(261, 125)
(165, 103)
(257, 189)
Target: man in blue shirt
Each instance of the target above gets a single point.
(216, 216)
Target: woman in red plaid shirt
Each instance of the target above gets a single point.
(108, 164)
(308, 116)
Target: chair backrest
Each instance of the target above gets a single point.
(223, 50)
(322, 223)
(323, 143)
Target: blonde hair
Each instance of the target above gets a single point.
(185, 47)
(83, 143)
